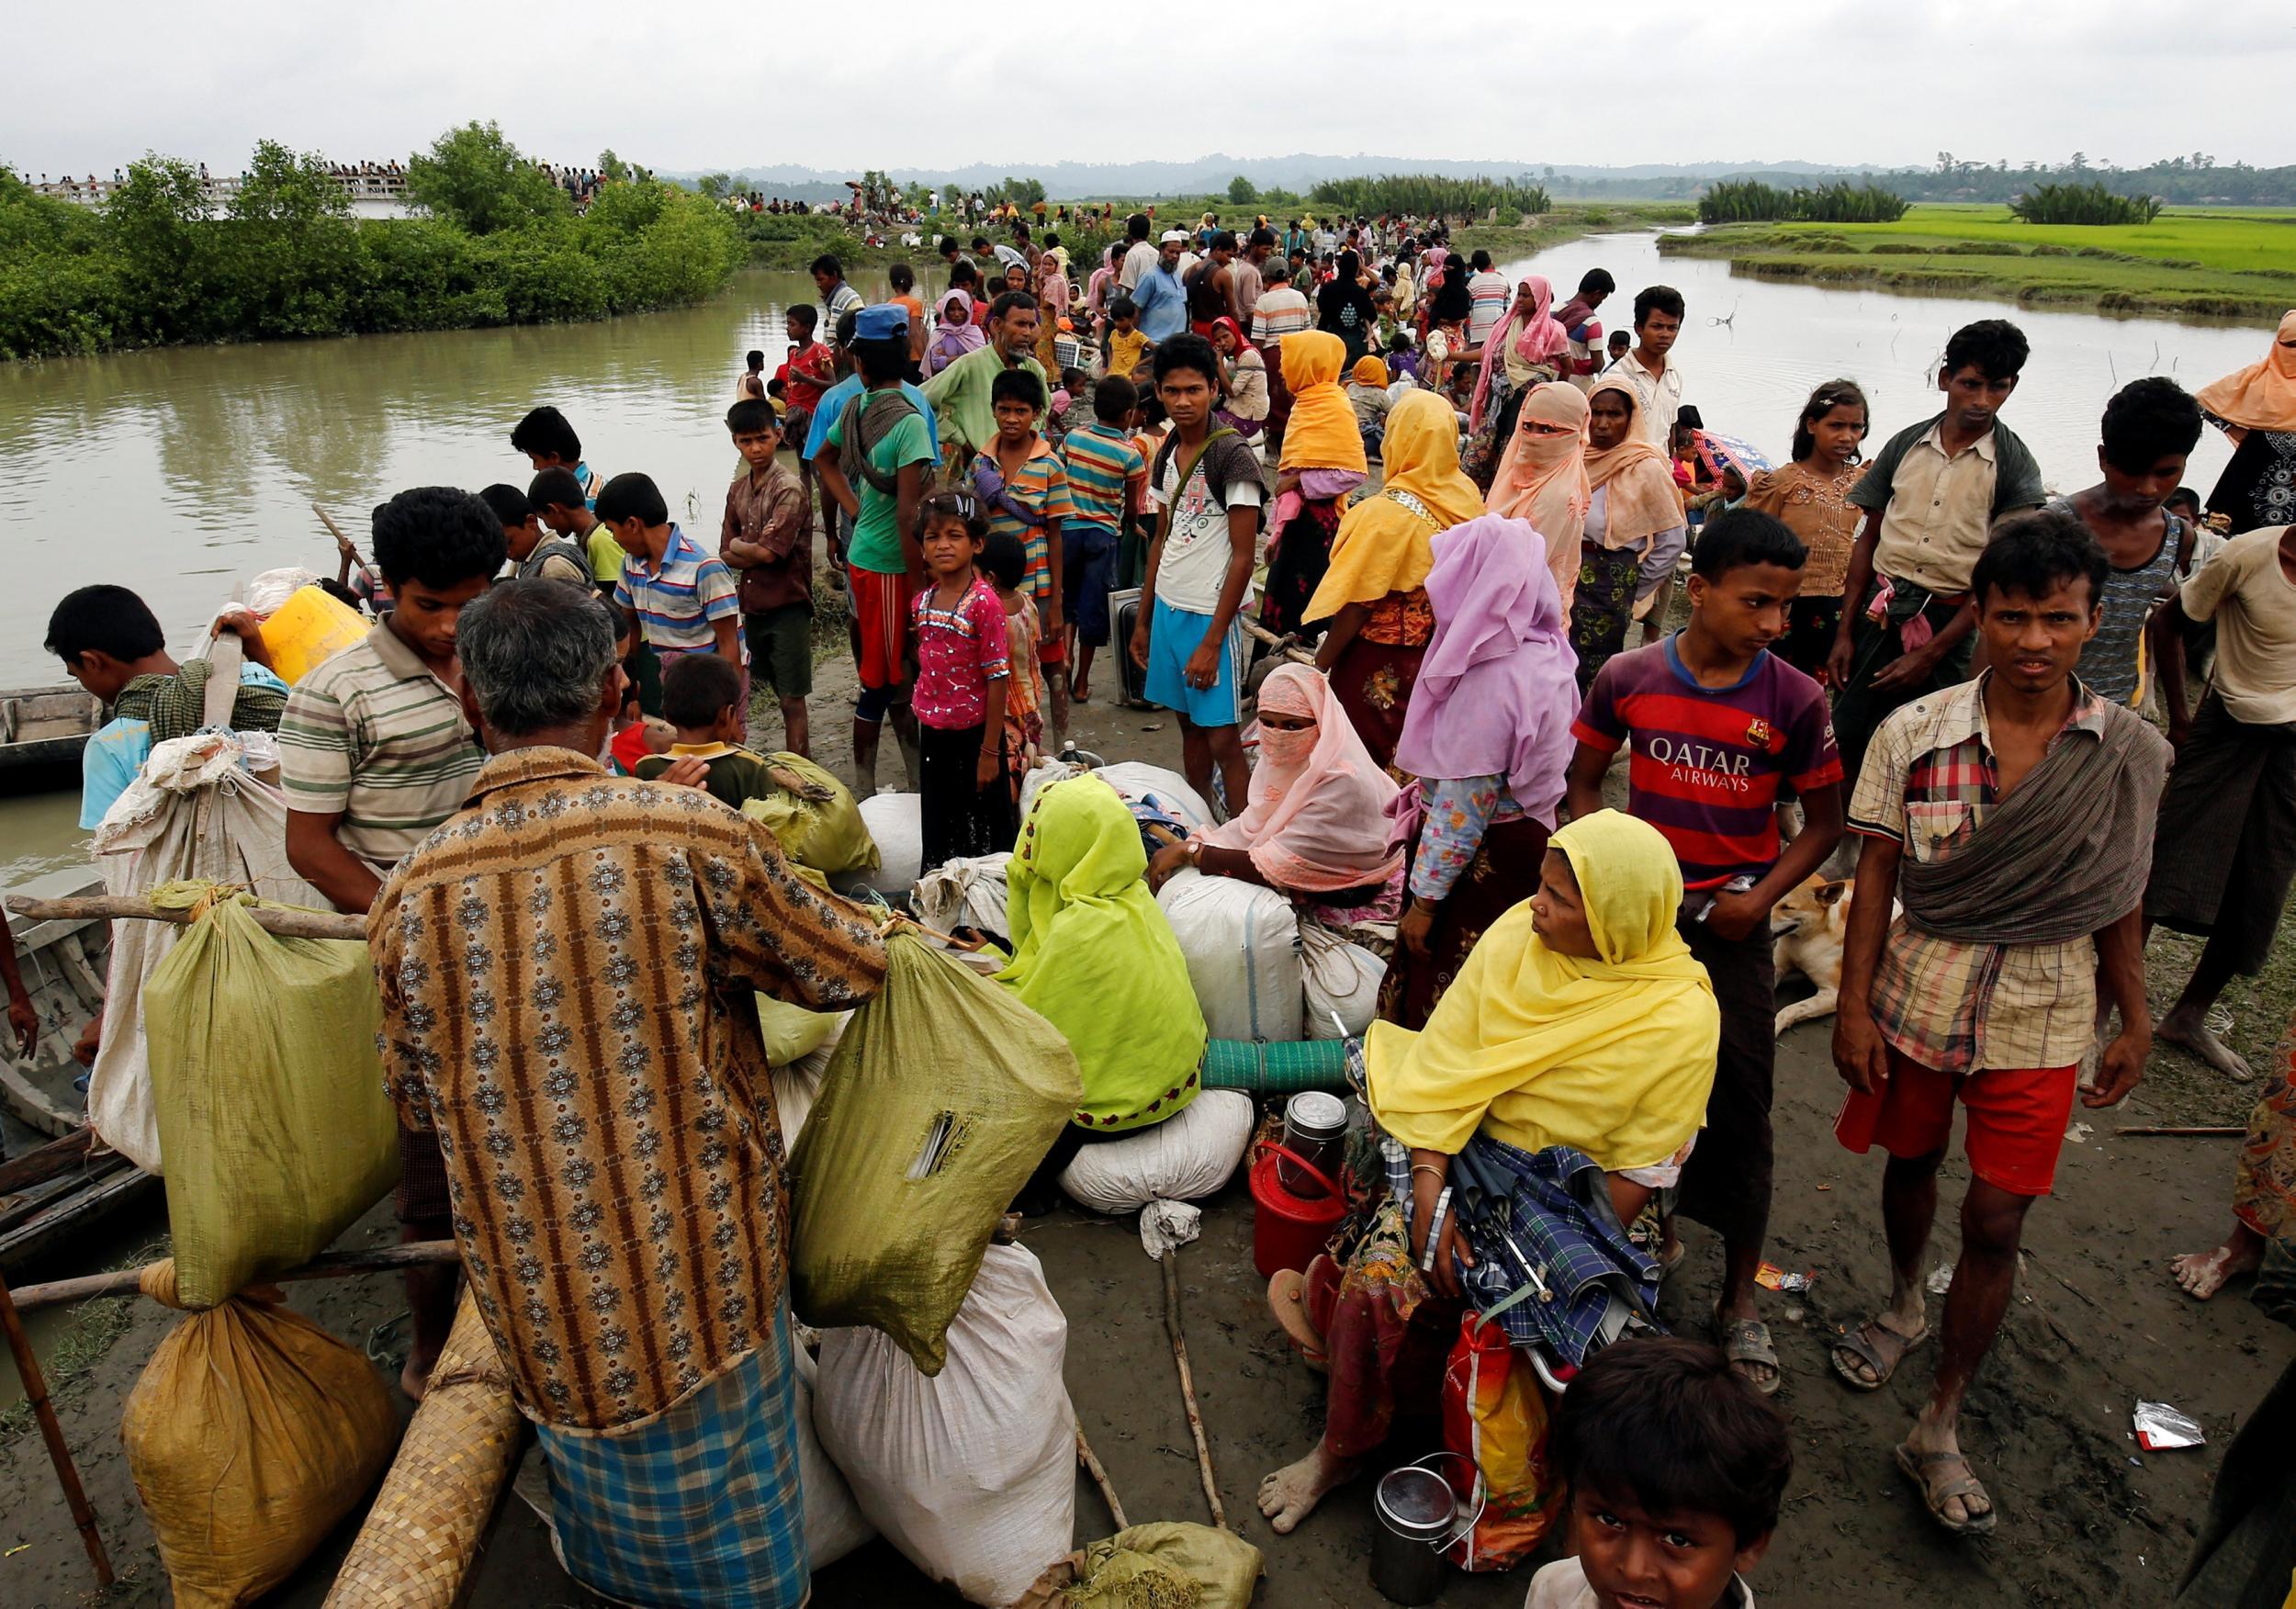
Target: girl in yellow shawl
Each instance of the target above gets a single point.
(1580, 1019)
(1374, 595)
(1094, 956)
(1321, 464)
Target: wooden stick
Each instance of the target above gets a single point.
(336, 532)
(59, 1453)
(1292, 651)
(2207, 1131)
(1174, 1326)
(1100, 1479)
(326, 1265)
(286, 923)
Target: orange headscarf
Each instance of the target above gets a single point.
(1543, 478)
(1641, 499)
(2263, 395)
(1322, 433)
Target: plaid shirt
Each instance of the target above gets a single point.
(566, 970)
(1928, 779)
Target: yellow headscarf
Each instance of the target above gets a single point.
(1371, 371)
(2263, 395)
(1093, 955)
(1383, 545)
(1613, 1056)
(1322, 433)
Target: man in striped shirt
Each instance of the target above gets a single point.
(374, 753)
(1104, 471)
(676, 596)
(1719, 726)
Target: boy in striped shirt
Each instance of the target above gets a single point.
(1105, 471)
(1021, 480)
(675, 595)
(375, 752)
(1718, 727)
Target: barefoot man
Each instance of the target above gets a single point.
(2264, 1189)
(2000, 812)
(2221, 868)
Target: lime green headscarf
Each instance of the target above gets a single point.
(1093, 955)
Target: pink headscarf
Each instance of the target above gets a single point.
(957, 333)
(1497, 687)
(1538, 339)
(1317, 819)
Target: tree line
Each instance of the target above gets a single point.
(1424, 195)
(496, 241)
(1751, 201)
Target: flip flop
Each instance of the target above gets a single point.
(1748, 1340)
(1859, 1343)
(1934, 1498)
(1287, 1294)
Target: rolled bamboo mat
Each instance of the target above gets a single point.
(422, 1534)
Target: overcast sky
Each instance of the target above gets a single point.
(709, 83)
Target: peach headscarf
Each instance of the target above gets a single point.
(1317, 819)
(2263, 395)
(1641, 499)
(1543, 479)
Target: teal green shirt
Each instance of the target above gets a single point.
(877, 533)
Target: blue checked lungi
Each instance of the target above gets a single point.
(699, 1505)
(1555, 1207)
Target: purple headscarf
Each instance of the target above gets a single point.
(957, 333)
(1497, 689)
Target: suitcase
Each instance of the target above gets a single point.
(1123, 620)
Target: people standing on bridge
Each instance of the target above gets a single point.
(1929, 498)
(2001, 811)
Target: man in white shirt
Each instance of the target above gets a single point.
(1487, 295)
(1657, 379)
(1139, 257)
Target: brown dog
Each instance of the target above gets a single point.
(1809, 928)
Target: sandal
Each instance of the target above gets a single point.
(1916, 1467)
(1286, 1298)
(1865, 1344)
(1748, 1340)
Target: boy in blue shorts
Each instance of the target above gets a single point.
(1104, 468)
(1206, 482)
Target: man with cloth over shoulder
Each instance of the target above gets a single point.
(2007, 813)
(566, 967)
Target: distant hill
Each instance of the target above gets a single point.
(1069, 181)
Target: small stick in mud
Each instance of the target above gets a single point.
(1085, 1457)
(1172, 1323)
(51, 1431)
(2206, 1131)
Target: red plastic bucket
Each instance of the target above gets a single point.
(1287, 1231)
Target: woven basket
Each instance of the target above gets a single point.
(423, 1532)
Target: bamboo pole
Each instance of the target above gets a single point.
(1174, 1326)
(51, 1431)
(326, 1265)
(285, 921)
(1091, 1462)
(1292, 651)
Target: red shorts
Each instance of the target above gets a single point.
(2017, 1119)
(880, 624)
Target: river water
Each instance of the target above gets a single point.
(179, 472)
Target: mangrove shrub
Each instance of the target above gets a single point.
(2091, 202)
(1425, 194)
(1751, 201)
(156, 266)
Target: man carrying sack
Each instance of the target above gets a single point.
(566, 970)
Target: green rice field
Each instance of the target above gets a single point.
(2211, 261)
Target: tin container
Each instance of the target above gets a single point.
(1418, 1516)
(1315, 1127)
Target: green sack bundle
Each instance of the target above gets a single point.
(275, 1131)
(815, 817)
(936, 1107)
(1167, 1565)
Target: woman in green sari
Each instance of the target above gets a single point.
(1094, 956)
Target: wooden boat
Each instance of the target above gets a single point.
(42, 725)
(53, 1193)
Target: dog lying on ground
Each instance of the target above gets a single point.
(1808, 930)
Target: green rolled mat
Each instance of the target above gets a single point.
(1276, 1069)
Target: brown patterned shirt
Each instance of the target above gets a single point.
(566, 970)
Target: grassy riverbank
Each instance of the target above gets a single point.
(786, 241)
(2191, 262)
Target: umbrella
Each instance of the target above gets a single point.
(1719, 452)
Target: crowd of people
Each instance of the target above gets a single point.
(1912, 681)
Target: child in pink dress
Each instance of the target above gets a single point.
(964, 672)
